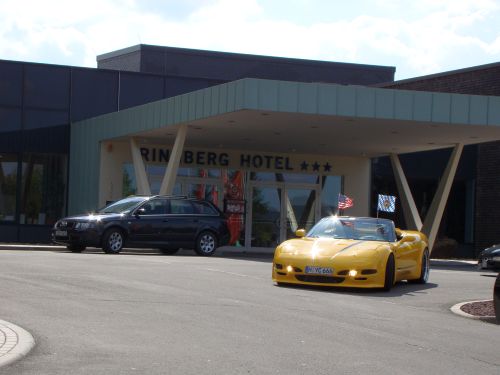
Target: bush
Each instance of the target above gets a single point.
(445, 248)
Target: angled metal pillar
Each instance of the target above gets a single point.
(141, 178)
(168, 183)
(435, 213)
(410, 211)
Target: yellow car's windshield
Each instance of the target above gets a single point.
(354, 228)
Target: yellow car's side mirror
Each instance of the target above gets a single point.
(408, 239)
(399, 234)
(300, 232)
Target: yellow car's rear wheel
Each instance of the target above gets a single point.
(424, 269)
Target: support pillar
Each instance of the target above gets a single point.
(435, 213)
(410, 211)
(141, 178)
(168, 182)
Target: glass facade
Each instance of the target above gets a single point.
(10, 119)
(37, 104)
(274, 205)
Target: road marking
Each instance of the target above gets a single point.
(233, 273)
(450, 271)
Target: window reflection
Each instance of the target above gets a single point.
(8, 186)
(43, 198)
(330, 189)
(129, 186)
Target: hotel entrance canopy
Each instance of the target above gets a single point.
(290, 117)
(301, 117)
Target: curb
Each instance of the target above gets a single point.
(232, 251)
(457, 310)
(15, 343)
(31, 247)
(221, 251)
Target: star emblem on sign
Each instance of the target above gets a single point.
(303, 166)
(327, 167)
(316, 166)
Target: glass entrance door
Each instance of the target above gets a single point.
(278, 211)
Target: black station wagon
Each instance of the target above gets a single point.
(164, 222)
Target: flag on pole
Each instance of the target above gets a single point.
(344, 202)
(386, 203)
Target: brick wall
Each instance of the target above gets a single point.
(483, 80)
(479, 81)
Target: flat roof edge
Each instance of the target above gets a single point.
(241, 56)
(118, 52)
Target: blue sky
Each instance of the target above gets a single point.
(417, 37)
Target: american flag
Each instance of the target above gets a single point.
(345, 202)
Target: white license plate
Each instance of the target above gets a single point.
(319, 270)
(61, 233)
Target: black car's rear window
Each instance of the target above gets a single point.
(178, 206)
(204, 208)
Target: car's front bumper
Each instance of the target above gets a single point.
(88, 238)
(489, 262)
(290, 271)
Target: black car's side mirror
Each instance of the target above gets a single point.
(140, 211)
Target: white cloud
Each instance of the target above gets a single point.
(429, 36)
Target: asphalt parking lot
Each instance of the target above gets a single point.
(141, 312)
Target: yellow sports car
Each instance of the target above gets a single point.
(360, 252)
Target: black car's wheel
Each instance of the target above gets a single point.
(168, 251)
(424, 269)
(206, 244)
(113, 241)
(75, 248)
(389, 273)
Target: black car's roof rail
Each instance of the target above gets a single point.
(169, 196)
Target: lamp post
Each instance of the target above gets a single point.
(496, 298)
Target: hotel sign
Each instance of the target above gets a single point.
(240, 160)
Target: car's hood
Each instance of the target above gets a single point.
(93, 217)
(327, 247)
(494, 250)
